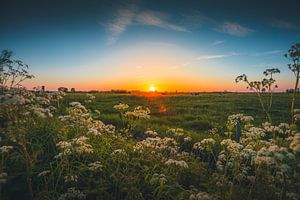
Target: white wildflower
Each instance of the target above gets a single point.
(121, 106)
(187, 139)
(72, 194)
(158, 179)
(71, 178)
(151, 133)
(295, 144)
(6, 149)
(44, 173)
(205, 144)
(180, 163)
(138, 113)
(176, 131)
(95, 166)
(200, 196)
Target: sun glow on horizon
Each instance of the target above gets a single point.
(152, 88)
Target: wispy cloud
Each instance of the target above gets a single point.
(218, 56)
(131, 16)
(158, 19)
(283, 24)
(118, 25)
(209, 57)
(196, 18)
(215, 56)
(267, 53)
(217, 42)
(234, 29)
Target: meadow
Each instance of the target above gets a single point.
(210, 146)
(195, 113)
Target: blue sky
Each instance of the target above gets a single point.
(174, 45)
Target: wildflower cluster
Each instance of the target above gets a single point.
(165, 145)
(139, 112)
(200, 196)
(205, 144)
(72, 193)
(90, 98)
(180, 163)
(176, 131)
(295, 144)
(75, 146)
(121, 107)
(159, 179)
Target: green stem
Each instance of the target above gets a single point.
(263, 107)
(294, 97)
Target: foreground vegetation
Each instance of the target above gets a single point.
(81, 146)
(50, 151)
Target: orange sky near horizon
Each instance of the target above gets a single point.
(167, 67)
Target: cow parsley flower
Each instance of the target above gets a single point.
(158, 179)
(176, 131)
(44, 173)
(121, 106)
(151, 133)
(187, 139)
(200, 196)
(71, 178)
(95, 166)
(205, 144)
(72, 194)
(180, 163)
(5, 149)
(295, 144)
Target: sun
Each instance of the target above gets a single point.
(152, 88)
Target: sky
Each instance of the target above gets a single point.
(190, 45)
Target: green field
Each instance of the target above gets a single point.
(193, 113)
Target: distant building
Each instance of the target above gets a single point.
(73, 90)
(290, 90)
(195, 93)
(43, 88)
(119, 91)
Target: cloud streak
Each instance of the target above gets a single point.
(234, 29)
(157, 19)
(119, 24)
(217, 42)
(131, 16)
(227, 27)
(276, 23)
(209, 57)
(267, 53)
(225, 55)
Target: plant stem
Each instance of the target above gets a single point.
(294, 97)
(263, 107)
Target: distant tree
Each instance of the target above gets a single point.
(62, 89)
(12, 72)
(294, 56)
(267, 85)
(73, 90)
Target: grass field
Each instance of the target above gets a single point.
(193, 113)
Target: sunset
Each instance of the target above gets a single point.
(104, 45)
(149, 100)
